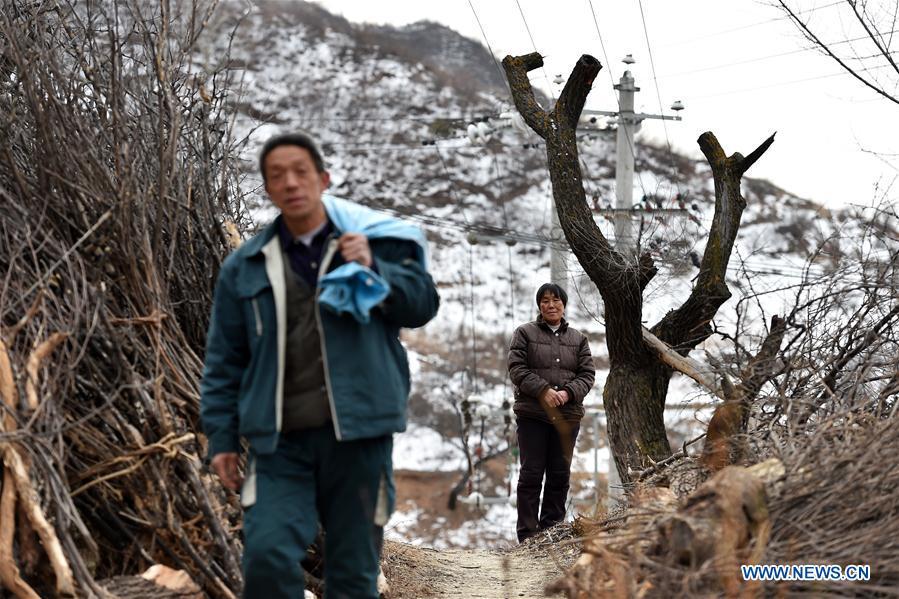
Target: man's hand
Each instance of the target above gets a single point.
(551, 398)
(354, 248)
(563, 397)
(225, 466)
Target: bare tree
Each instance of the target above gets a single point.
(637, 385)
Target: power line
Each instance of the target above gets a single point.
(751, 25)
(777, 270)
(783, 83)
(780, 54)
(392, 119)
(533, 43)
(502, 199)
(655, 82)
(412, 147)
(601, 43)
(452, 186)
(752, 267)
(499, 69)
(617, 99)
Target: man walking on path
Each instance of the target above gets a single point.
(303, 360)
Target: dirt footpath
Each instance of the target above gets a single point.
(523, 571)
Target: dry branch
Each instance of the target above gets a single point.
(683, 364)
(9, 396)
(28, 496)
(44, 349)
(114, 182)
(10, 577)
(830, 498)
(17, 483)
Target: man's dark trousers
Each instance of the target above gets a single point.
(313, 478)
(545, 449)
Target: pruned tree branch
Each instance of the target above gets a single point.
(571, 101)
(40, 352)
(748, 161)
(688, 325)
(762, 366)
(517, 68)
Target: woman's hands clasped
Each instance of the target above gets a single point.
(554, 398)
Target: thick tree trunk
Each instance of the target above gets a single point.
(632, 396)
(637, 385)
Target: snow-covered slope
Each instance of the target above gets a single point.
(390, 107)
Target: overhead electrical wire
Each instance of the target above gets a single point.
(751, 25)
(655, 81)
(499, 69)
(781, 54)
(534, 44)
(617, 99)
(768, 269)
(785, 83)
(750, 266)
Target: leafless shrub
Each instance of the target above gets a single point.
(116, 178)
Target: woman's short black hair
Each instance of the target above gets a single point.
(554, 289)
(297, 138)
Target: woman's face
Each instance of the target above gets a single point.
(551, 308)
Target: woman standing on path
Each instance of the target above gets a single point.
(552, 371)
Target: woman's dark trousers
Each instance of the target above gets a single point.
(546, 449)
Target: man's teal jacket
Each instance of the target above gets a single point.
(366, 369)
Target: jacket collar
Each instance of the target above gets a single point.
(542, 323)
(253, 246)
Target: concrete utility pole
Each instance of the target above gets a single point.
(628, 124)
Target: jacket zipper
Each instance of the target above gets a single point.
(323, 268)
(258, 317)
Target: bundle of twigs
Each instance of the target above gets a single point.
(116, 181)
(831, 416)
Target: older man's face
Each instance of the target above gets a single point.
(294, 184)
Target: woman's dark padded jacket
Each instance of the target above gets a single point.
(540, 359)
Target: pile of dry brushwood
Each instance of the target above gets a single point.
(116, 179)
(809, 478)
